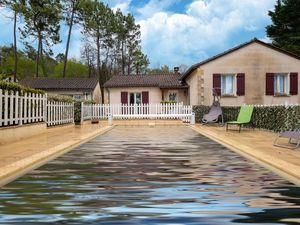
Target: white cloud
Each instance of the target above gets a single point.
(123, 7)
(187, 37)
(154, 6)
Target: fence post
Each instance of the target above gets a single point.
(45, 113)
(110, 119)
(192, 122)
(81, 113)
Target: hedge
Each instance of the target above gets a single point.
(13, 87)
(273, 118)
(59, 98)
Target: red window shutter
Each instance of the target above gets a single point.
(124, 98)
(293, 83)
(217, 83)
(270, 84)
(240, 84)
(145, 97)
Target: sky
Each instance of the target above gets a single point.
(179, 32)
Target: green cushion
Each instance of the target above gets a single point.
(245, 115)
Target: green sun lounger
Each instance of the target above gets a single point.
(244, 117)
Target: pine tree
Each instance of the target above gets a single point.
(16, 6)
(285, 30)
(71, 11)
(42, 19)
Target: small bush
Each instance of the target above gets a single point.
(168, 102)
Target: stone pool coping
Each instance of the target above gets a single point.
(257, 146)
(20, 157)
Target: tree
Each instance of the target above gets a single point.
(97, 21)
(42, 19)
(140, 61)
(160, 70)
(16, 7)
(285, 30)
(25, 66)
(71, 11)
(75, 69)
(88, 56)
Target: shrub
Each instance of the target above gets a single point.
(168, 102)
(13, 87)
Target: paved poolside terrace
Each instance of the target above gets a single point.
(22, 156)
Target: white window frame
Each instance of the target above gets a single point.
(135, 94)
(233, 84)
(173, 92)
(286, 90)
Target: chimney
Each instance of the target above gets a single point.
(176, 70)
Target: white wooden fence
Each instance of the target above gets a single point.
(141, 111)
(59, 113)
(17, 109)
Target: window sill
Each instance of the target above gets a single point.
(281, 95)
(228, 96)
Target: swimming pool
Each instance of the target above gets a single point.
(144, 175)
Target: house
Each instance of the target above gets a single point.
(77, 88)
(252, 73)
(136, 89)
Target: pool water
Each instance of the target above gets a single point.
(143, 175)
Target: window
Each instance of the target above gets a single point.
(173, 96)
(280, 83)
(135, 98)
(227, 84)
(78, 97)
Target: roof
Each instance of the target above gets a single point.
(159, 80)
(195, 66)
(61, 84)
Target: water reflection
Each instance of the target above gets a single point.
(162, 175)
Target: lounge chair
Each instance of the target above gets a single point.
(291, 135)
(215, 113)
(244, 117)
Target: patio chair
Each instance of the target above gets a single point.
(291, 135)
(215, 113)
(244, 117)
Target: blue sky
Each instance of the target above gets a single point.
(176, 32)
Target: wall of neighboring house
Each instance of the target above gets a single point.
(181, 94)
(156, 95)
(113, 95)
(255, 61)
(74, 94)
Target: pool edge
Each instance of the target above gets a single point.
(17, 169)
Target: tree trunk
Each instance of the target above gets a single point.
(15, 47)
(99, 67)
(42, 61)
(68, 42)
(123, 61)
(38, 55)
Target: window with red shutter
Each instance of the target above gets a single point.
(145, 97)
(293, 83)
(270, 84)
(240, 84)
(217, 83)
(124, 98)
